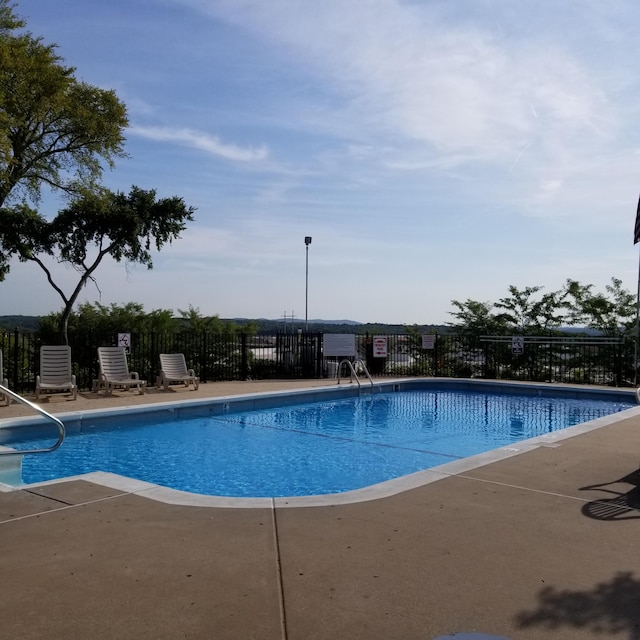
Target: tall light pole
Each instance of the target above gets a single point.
(307, 242)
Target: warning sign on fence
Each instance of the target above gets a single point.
(517, 345)
(428, 341)
(379, 346)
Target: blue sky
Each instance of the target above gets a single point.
(434, 150)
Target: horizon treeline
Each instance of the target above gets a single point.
(527, 311)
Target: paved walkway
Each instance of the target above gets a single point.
(541, 545)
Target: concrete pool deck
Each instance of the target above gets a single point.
(544, 544)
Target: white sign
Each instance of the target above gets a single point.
(339, 345)
(517, 345)
(429, 341)
(124, 340)
(379, 346)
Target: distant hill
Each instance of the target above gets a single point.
(334, 322)
(265, 325)
(280, 325)
(581, 331)
(287, 325)
(295, 321)
(22, 323)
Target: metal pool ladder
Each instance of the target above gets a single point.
(59, 425)
(353, 373)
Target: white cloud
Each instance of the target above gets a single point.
(405, 70)
(203, 141)
(434, 150)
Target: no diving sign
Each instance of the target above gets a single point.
(517, 345)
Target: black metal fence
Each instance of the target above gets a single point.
(289, 356)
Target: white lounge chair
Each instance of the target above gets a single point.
(173, 368)
(5, 383)
(55, 371)
(114, 371)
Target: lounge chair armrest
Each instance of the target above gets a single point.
(134, 375)
(192, 373)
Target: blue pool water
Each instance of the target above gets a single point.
(315, 448)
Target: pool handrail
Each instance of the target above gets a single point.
(45, 414)
(353, 371)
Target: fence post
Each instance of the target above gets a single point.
(618, 365)
(15, 358)
(318, 353)
(204, 369)
(485, 358)
(153, 360)
(244, 363)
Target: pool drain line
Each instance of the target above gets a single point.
(327, 436)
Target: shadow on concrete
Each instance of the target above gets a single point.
(622, 506)
(609, 608)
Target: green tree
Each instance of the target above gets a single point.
(8, 20)
(100, 224)
(100, 320)
(576, 294)
(527, 313)
(160, 321)
(613, 313)
(193, 320)
(476, 318)
(54, 129)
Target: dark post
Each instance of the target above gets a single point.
(485, 367)
(618, 364)
(203, 357)
(16, 352)
(244, 363)
(307, 242)
(154, 358)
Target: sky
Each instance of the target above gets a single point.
(433, 150)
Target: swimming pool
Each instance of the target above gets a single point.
(335, 441)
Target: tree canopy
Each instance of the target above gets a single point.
(529, 312)
(102, 223)
(55, 130)
(115, 318)
(477, 318)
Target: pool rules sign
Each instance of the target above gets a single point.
(517, 345)
(379, 346)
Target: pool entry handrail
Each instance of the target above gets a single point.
(353, 373)
(45, 414)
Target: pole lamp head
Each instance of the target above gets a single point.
(307, 240)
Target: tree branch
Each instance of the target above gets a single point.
(49, 278)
